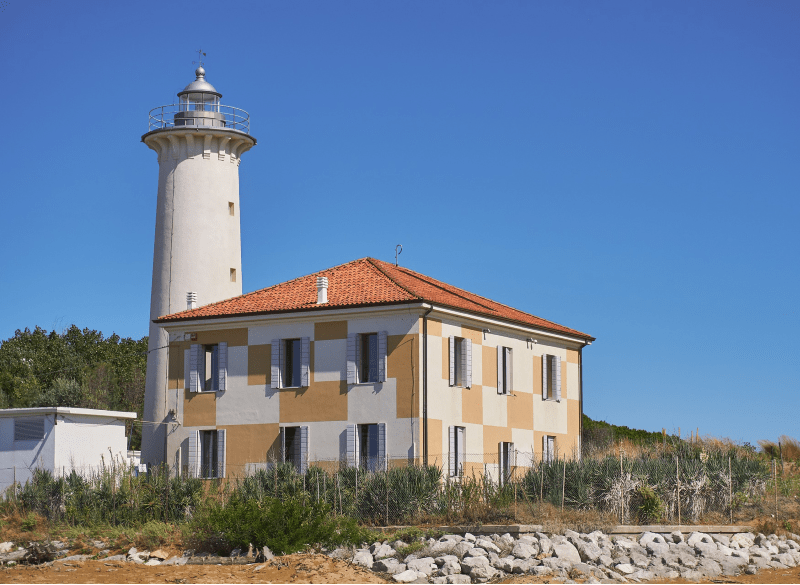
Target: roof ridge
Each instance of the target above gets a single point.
(373, 261)
(419, 274)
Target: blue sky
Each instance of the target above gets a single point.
(629, 169)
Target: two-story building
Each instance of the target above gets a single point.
(369, 364)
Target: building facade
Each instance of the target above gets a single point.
(369, 364)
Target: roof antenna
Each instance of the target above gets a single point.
(397, 253)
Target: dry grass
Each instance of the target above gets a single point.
(787, 448)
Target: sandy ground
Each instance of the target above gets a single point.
(299, 568)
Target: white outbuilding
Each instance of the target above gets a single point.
(60, 440)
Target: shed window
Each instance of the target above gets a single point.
(29, 429)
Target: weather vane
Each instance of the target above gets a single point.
(200, 55)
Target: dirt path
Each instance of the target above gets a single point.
(300, 568)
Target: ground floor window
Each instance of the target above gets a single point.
(548, 448)
(457, 451)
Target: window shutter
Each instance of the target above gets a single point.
(467, 363)
(509, 370)
(195, 353)
(276, 364)
(221, 453)
(305, 365)
(501, 471)
(544, 377)
(214, 373)
(557, 377)
(512, 457)
(452, 361)
(194, 454)
(500, 386)
(352, 342)
(382, 461)
(282, 433)
(460, 450)
(222, 367)
(382, 357)
(452, 450)
(303, 448)
(352, 446)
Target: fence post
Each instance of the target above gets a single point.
(541, 485)
(678, 488)
(387, 499)
(775, 466)
(730, 487)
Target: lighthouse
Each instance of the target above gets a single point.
(197, 256)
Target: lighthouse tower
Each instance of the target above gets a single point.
(198, 249)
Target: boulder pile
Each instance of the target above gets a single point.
(594, 557)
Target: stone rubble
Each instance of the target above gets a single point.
(593, 557)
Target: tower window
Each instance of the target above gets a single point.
(231, 208)
(233, 275)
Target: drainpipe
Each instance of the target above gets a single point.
(580, 422)
(425, 386)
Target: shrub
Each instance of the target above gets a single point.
(651, 508)
(154, 535)
(284, 526)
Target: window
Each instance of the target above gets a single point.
(233, 275)
(551, 377)
(231, 208)
(366, 357)
(208, 367)
(294, 447)
(457, 450)
(29, 429)
(290, 363)
(548, 448)
(366, 446)
(460, 362)
(506, 461)
(368, 366)
(207, 454)
(505, 367)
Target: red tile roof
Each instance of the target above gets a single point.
(363, 283)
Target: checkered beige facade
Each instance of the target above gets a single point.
(252, 412)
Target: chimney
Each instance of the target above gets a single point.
(191, 300)
(322, 290)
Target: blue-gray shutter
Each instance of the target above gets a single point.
(303, 450)
(382, 357)
(509, 370)
(275, 369)
(461, 447)
(500, 386)
(305, 364)
(282, 433)
(222, 366)
(195, 357)
(452, 361)
(194, 454)
(512, 456)
(544, 377)
(452, 465)
(352, 446)
(467, 357)
(352, 342)
(501, 472)
(221, 453)
(557, 377)
(382, 460)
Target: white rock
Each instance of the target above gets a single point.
(152, 563)
(363, 558)
(625, 568)
(6, 547)
(523, 551)
(469, 537)
(487, 545)
(424, 565)
(567, 551)
(458, 579)
(408, 576)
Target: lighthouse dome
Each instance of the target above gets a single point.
(200, 85)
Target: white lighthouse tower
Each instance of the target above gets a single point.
(198, 246)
